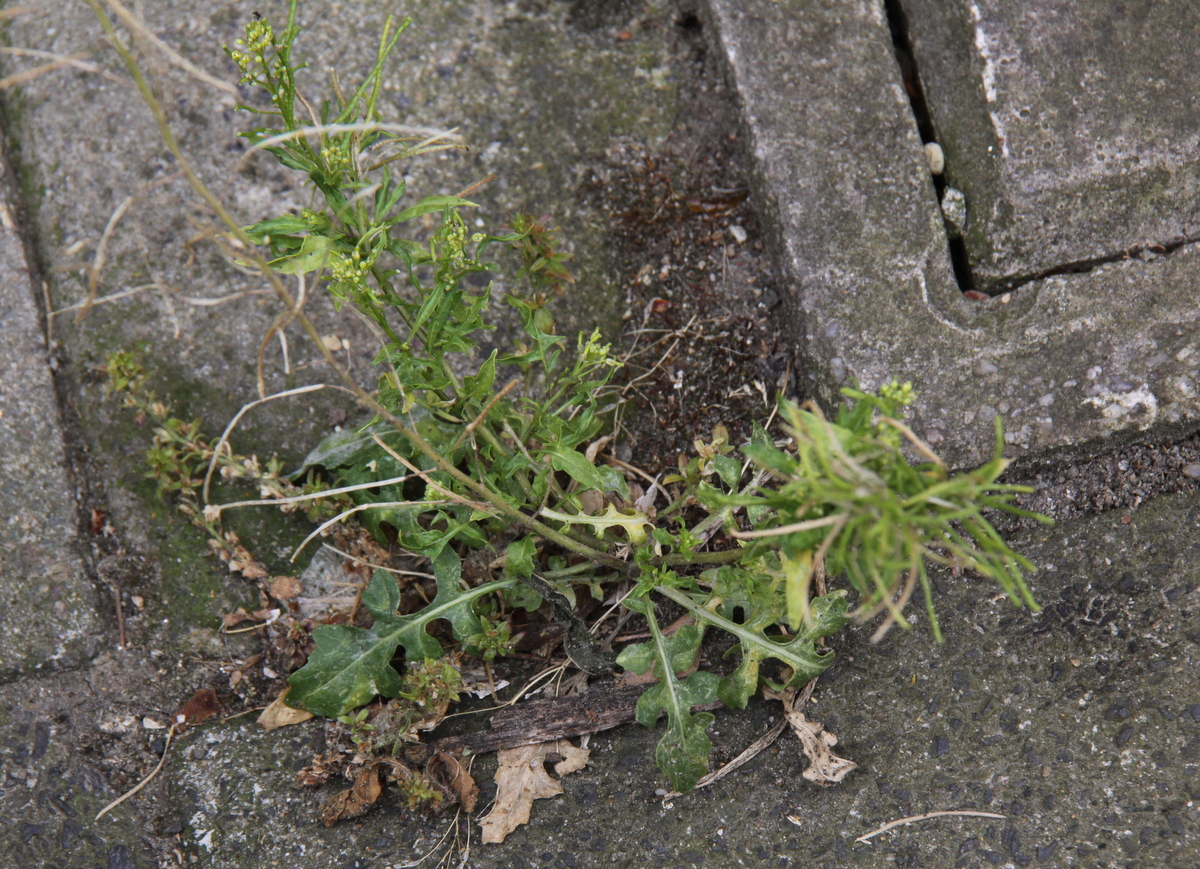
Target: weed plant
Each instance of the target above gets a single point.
(500, 454)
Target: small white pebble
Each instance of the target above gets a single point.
(150, 724)
(739, 234)
(935, 157)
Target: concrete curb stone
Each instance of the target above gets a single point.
(843, 183)
(1071, 126)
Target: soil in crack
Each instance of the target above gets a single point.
(701, 341)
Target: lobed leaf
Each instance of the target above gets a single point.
(682, 753)
(350, 665)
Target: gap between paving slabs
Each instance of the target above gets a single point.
(129, 509)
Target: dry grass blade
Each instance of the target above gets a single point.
(115, 297)
(214, 510)
(223, 441)
(26, 75)
(57, 61)
(344, 514)
(891, 825)
(14, 11)
(138, 787)
(838, 519)
(140, 30)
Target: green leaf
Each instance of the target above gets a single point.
(314, 253)
(518, 561)
(728, 469)
(350, 666)
(287, 224)
(638, 658)
(682, 753)
(759, 435)
(829, 614)
(576, 465)
(477, 387)
(632, 521)
(349, 447)
(430, 204)
(611, 480)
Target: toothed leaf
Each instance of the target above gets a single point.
(350, 666)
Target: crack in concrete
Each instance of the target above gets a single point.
(1133, 251)
(959, 260)
(907, 61)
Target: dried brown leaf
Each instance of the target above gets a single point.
(235, 617)
(249, 568)
(573, 759)
(521, 779)
(202, 706)
(825, 767)
(448, 771)
(279, 714)
(322, 769)
(355, 800)
(285, 587)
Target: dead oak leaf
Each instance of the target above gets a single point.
(522, 778)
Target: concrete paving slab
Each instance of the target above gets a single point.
(1070, 126)
(54, 780)
(49, 620)
(842, 180)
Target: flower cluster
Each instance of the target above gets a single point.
(252, 51)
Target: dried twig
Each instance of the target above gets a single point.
(913, 819)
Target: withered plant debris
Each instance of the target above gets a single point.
(355, 800)
(421, 779)
(522, 778)
(202, 706)
(825, 767)
(279, 714)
